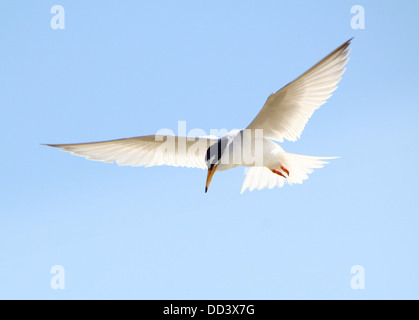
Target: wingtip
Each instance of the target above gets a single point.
(49, 145)
(347, 43)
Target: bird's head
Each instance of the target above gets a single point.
(212, 159)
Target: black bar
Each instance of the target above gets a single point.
(210, 309)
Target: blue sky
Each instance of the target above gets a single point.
(129, 68)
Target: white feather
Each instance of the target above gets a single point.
(287, 111)
(145, 151)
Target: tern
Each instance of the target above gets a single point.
(283, 117)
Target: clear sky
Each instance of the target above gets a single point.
(129, 68)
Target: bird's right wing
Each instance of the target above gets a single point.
(148, 151)
(287, 111)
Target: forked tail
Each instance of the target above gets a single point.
(299, 167)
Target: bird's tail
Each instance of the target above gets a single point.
(300, 166)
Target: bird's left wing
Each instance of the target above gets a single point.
(148, 151)
(287, 111)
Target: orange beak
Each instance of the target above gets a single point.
(209, 177)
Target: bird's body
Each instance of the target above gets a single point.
(283, 116)
(269, 164)
(248, 151)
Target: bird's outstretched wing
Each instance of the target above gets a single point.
(287, 111)
(148, 151)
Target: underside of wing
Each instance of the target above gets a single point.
(152, 150)
(287, 111)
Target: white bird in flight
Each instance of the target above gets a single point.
(283, 116)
